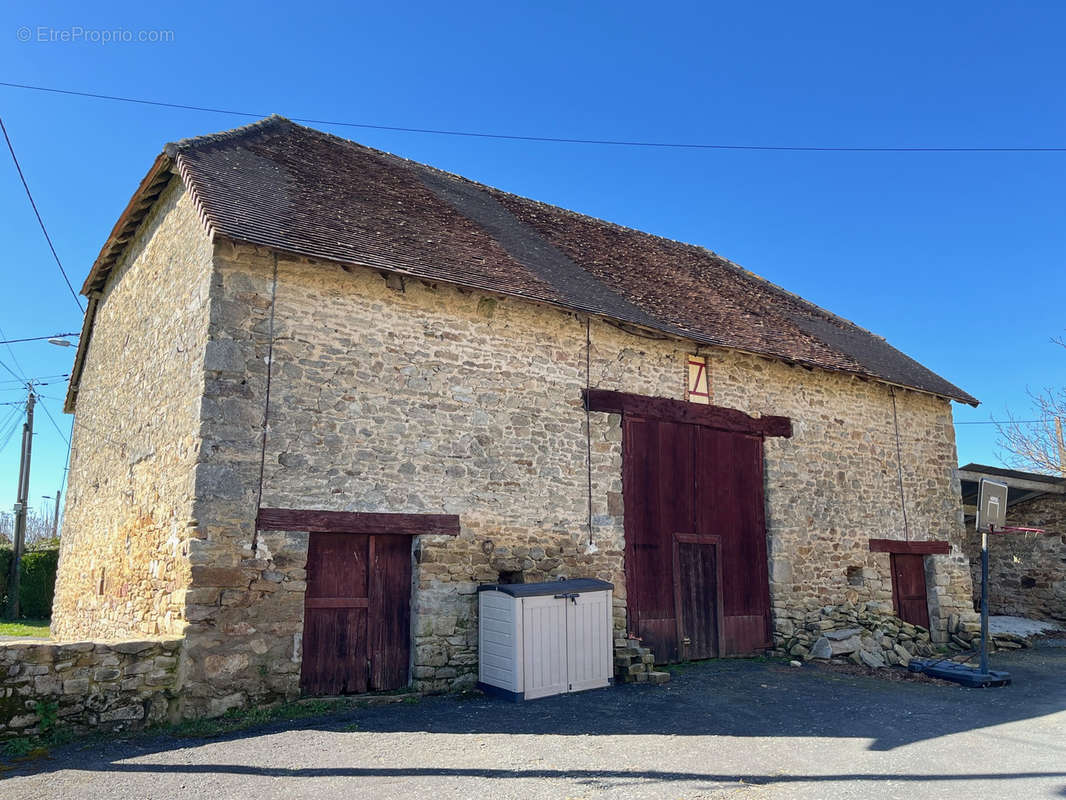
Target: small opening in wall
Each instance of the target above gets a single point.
(855, 576)
(516, 576)
(100, 585)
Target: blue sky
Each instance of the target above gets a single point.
(957, 259)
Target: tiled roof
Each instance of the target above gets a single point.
(299, 190)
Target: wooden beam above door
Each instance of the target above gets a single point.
(667, 410)
(929, 548)
(300, 519)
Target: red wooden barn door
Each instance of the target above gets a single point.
(908, 588)
(681, 481)
(658, 481)
(356, 613)
(731, 508)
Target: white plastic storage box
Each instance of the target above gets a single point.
(539, 639)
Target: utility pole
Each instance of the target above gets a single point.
(21, 508)
(55, 519)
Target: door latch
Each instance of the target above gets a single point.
(686, 641)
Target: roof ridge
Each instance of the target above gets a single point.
(225, 174)
(260, 125)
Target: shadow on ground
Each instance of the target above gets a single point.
(728, 698)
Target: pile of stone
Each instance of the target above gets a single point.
(634, 663)
(864, 635)
(967, 636)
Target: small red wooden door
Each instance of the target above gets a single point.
(699, 606)
(908, 588)
(356, 613)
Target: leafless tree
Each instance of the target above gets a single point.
(1038, 446)
(38, 529)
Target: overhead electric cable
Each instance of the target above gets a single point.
(14, 358)
(550, 139)
(40, 221)
(17, 376)
(55, 424)
(36, 339)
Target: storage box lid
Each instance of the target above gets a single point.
(576, 585)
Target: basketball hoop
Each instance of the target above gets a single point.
(991, 519)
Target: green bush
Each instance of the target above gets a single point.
(37, 582)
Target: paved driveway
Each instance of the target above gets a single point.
(720, 729)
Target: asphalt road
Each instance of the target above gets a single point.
(719, 729)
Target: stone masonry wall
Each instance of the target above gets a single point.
(122, 567)
(1026, 572)
(399, 396)
(102, 686)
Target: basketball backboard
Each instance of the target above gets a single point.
(991, 505)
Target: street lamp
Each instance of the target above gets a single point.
(61, 342)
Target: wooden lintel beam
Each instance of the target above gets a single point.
(298, 519)
(662, 408)
(927, 548)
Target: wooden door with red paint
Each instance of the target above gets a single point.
(356, 613)
(658, 480)
(908, 588)
(731, 507)
(681, 481)
(698, 578)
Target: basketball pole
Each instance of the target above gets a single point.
(984, 599)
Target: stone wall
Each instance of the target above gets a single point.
(1027, 572)
(389, 395)
(123, 568)
(864, 634)
(86, 686)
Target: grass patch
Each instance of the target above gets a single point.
(25, 627)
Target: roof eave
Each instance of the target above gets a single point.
(140, 204)
(959, 397)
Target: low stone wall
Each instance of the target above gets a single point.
(863, 634)
(106, 686)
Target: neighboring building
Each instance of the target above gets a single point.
(1026, 571)
(323, 392)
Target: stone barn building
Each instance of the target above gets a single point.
(323, 393)
(1026, 572)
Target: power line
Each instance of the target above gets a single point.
(10, 425)
(55, 424)
(44, 230)
(550, 139)
(17, 376)
(36, 339)
(23, 381)
(14, 358)
(1013, 422)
